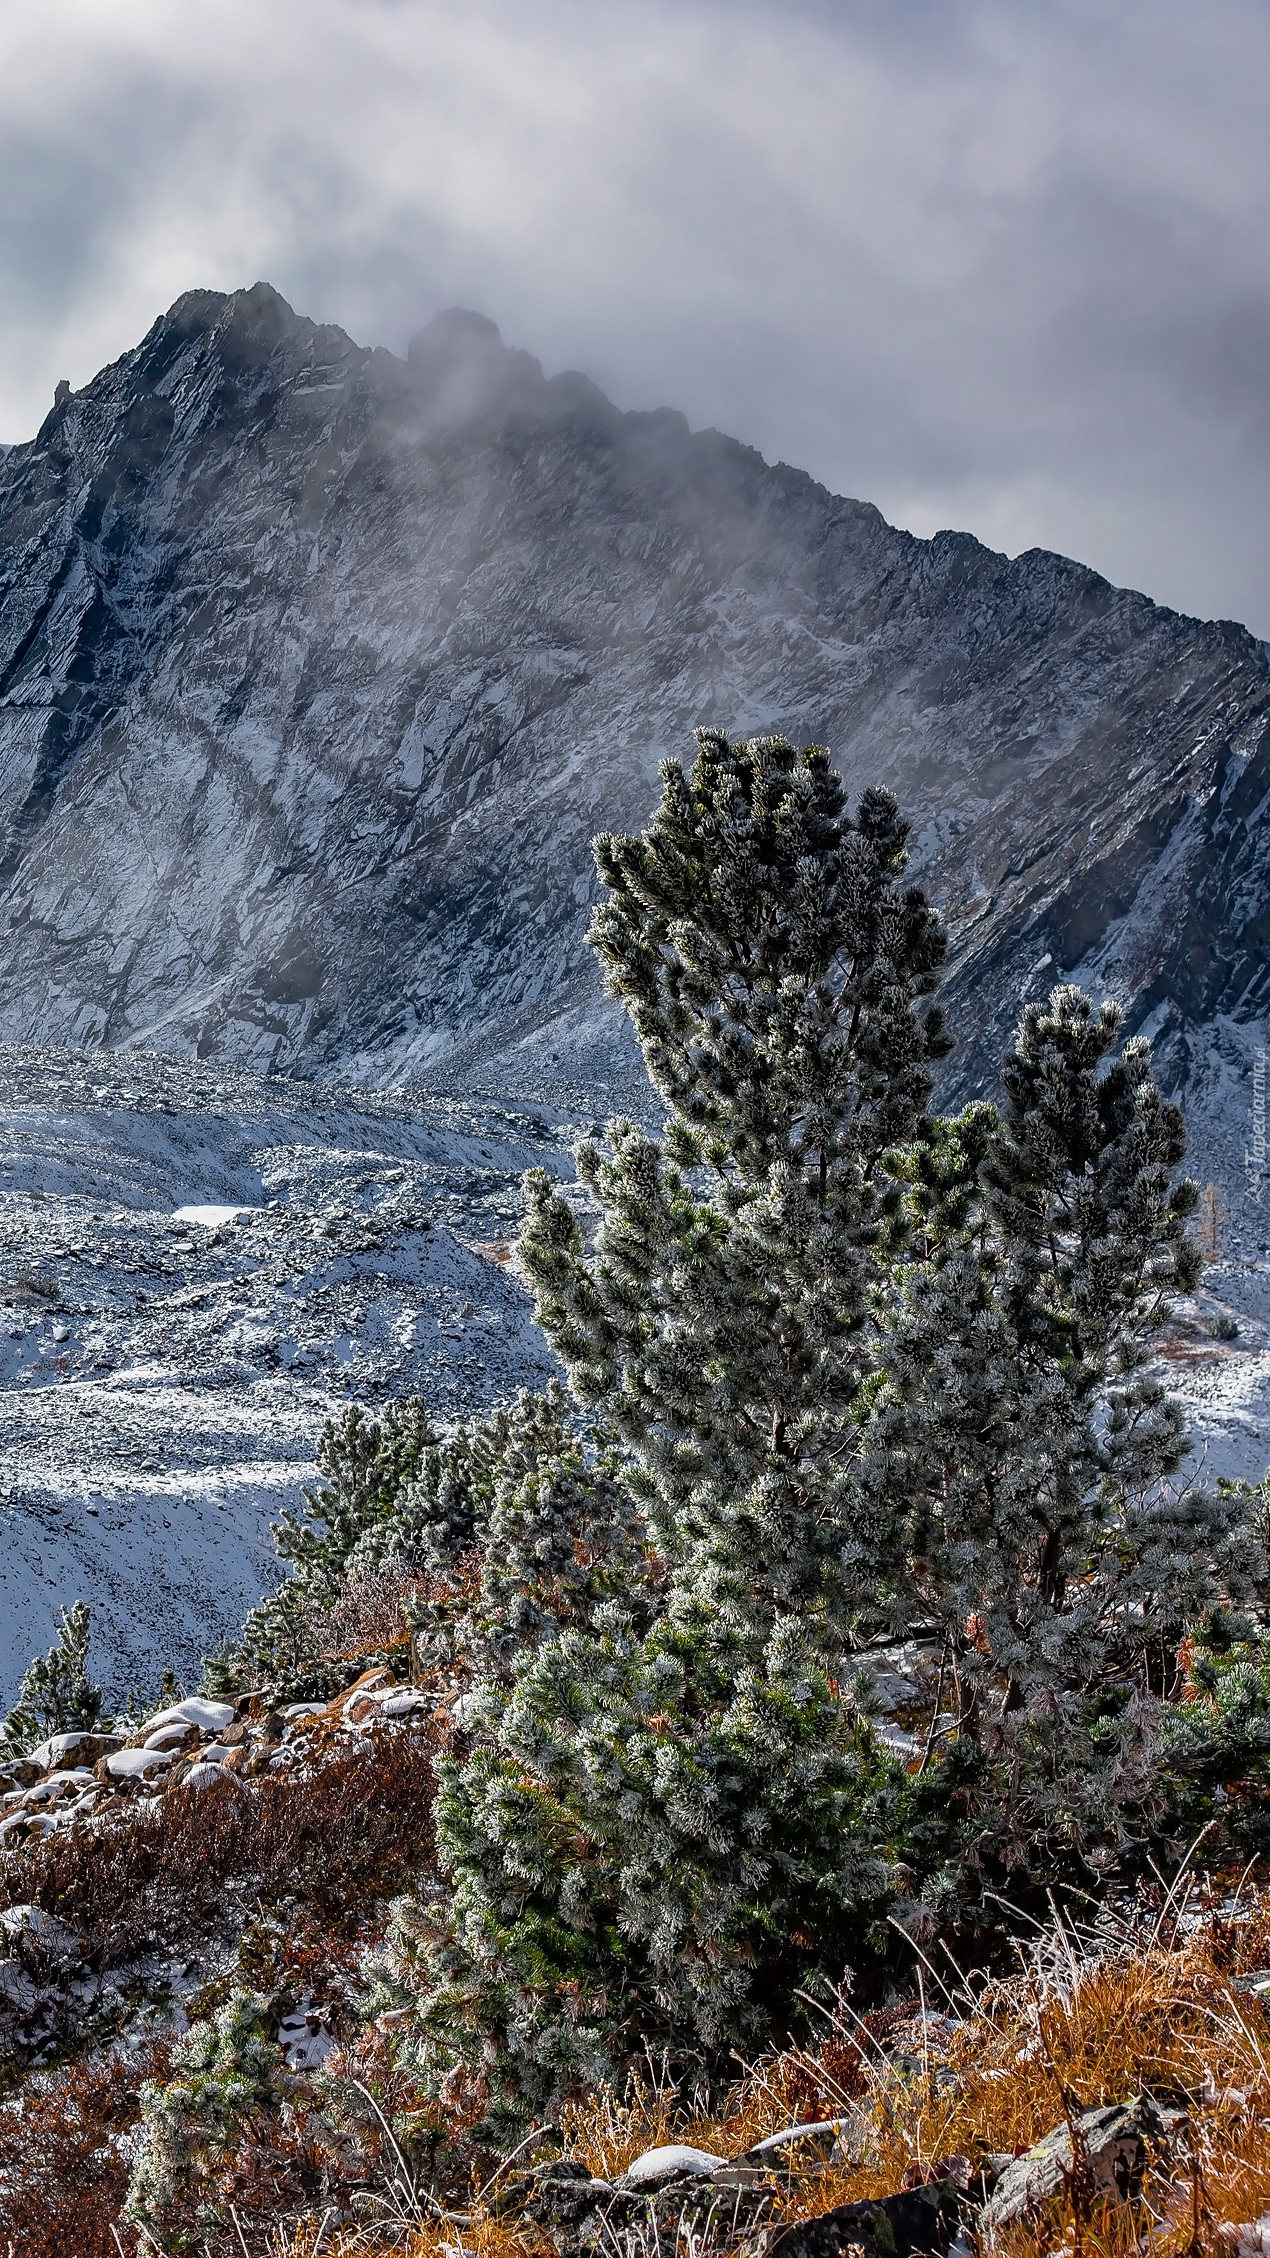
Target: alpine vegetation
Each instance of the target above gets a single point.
(1018, 1439)
(849, 1372)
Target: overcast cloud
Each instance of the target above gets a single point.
(1000, 264)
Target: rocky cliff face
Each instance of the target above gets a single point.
(319, 668)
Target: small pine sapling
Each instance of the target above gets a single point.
(396, 1492)
(226, 2072)
(56, 1694)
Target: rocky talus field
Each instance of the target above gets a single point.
(196, 1268)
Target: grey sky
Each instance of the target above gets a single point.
(1001, 264)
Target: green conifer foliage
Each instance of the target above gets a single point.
(395, 1489)
(367, 1463)
(562, 1541)
(852, 1364)
(226, 2071)
(1022, 1441)
(56, 1694)
(773, 965)
(650, 1846)
(649, 1825)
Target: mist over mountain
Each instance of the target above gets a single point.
(319, 668)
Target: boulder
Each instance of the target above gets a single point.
(18, 1991)
(563, 2194)
(135, 1763)
(203, 1775)
(85, 1748)
(824, 2132)
(1116, 2141)
(209, 1716)
(174, 1736)
(20, 1771)
(919, 2219)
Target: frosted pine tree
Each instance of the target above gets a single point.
(649, 1832)
(56, 1694)
(773, 965)
(563, 1538)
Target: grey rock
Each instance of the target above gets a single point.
(1116, 2139)
(319, 668)
(660, 2167)
(562, 2194)
(920, 2219)
(823, 2133)
(891, 1691)
(1255, 1984)
(18, 1991)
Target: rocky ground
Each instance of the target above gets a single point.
(50, 1989)
(195, 1270)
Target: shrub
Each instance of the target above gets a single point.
(63, 2169)
(220, 2072)
(399, 1500)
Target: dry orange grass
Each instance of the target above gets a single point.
(1077, 2027)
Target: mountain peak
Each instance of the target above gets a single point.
(460, 360)
(457, 332)
(320, 670)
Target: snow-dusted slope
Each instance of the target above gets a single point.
(195, 1270)
(318, 669)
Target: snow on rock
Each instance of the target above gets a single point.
(672, 2162)
(47, 1789)
(30, 1926)
(209, 1716)
(135, 1763)
(211, 1217)
(304, 2038)
(86, 1746)
(204, 1774)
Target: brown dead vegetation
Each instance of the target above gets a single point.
(1163, 2005)
(369, 1615)
(63, 2174)
(350, 1829)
